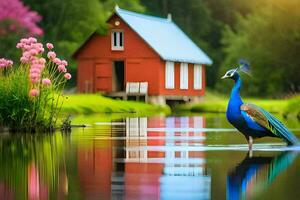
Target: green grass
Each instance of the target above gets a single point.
(214, 102)
(94, 103)
(105, 108)
(293, 107)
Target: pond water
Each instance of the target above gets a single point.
(178, 157)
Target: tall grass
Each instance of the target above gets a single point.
(15, 104)
(30, 94)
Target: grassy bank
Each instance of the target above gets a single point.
(218, 103)
(293, 107)
(94, 103)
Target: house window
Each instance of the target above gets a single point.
(184, 76)
(169, 75)
(197, 77)
(117, 40)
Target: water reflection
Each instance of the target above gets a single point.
(141, 164)
(140, 158)
(32, 167)
(254, 174)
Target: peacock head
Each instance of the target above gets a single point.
(233, 73)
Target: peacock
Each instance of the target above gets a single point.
(251, 120)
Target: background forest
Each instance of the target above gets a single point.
(265, 32)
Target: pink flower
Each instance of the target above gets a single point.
(33, 92)
(35, 70)
(57, 61)
(33, 52)
(49, 46)
(38, 66)
(20, 45)
(38, 47)
(4, 63)
(35, 61)
(27, 47)
(32, 40)
(10, 63)
(51, 55)
(46, 81)
(68, 76)
(34, 76)
(41, 61)
(24, 59)
(61, 68)
(64, 62)
(26, 54)
(24, 40)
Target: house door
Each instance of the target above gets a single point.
(118, 76)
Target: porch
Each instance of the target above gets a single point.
(137, 91)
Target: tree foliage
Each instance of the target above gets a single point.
(70, 22)
(269, 38)
(264, 32)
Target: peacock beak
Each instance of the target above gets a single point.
(225, 76)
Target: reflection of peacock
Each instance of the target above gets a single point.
(255, 174)
(251, 120)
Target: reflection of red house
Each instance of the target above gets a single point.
(142, 48)
(143, 165)
(151, 160)
(94, 169)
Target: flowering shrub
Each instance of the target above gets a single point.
(16, 21)
(30, 96)
(19, 17)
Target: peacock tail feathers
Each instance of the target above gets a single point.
(279, 129)
(268, 121)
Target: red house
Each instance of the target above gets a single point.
(142, 49)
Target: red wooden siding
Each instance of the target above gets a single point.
(94, 176)
(103, 76)
(146, 70)
(141, 64)
(138, 57)
(85, 79)
(100, 46)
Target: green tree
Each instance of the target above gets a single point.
(226, 11)
(269, 37)
(68, 23)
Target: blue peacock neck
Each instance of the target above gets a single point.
(235, 101)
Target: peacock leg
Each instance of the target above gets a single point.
(250, 142)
